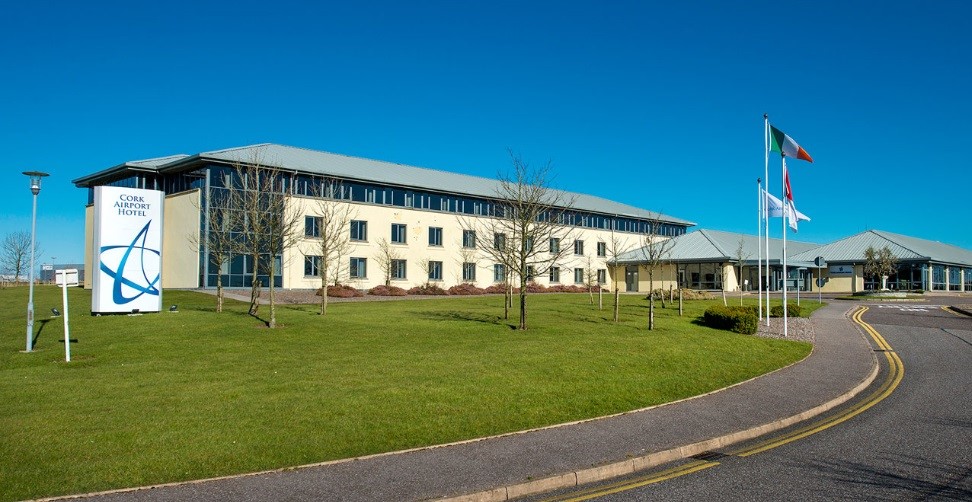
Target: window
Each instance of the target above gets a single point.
(398, 234)
(398, 269)
(499, 272)
(435, 270)
(554, 245)
(312, 266)
(468, 238)
(469, 272)
(499, 241)
(554, 274)
(601, 276)
(359, 268)
(579, 247)
(601, 249)
(359, 230)
(578, 276)
(435, 236)
(312, 226)
(531, 272)
(529, 245)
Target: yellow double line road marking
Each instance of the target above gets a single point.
(891, 382)
(630, 484)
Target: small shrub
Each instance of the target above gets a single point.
(386, 291)
(428, 289)
(740, 319)
(536, 288)
(564, 288)
(691, 294)
(496, 289)
(466, 289)
(793, 310)
(341, 291)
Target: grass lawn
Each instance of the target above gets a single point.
(176, 396)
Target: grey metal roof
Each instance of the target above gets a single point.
(145, 165)
(851, 249)
(344, 166)
(705, 245)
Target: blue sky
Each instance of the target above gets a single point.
(658, 105)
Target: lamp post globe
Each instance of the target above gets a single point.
(35, 187)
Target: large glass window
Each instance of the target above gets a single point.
(469, 272)
(938, 277)
(602, 249)
(499, 272)
(469, 238)
(398, 269)
(359, 230)
(312, 226)
(579, 247)
(435, 236)
(312, 266)
(578, 276)
(554, 274)
(602, 276)
(968, 279)
(358, 268)
(954, 279)
(499, 241)
(435, 270)
(554, 245)
(398, 233)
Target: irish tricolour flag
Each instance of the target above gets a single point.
(784, 144)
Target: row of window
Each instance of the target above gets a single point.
(398, 270)
(359, 232)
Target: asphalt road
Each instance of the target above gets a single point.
(914, 444)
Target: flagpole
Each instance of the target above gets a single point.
(786, 215)
(759, 244)
(766, 204)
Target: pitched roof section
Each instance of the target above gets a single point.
(851, 249)
(146, 165)
(718, 246)
(357, 168)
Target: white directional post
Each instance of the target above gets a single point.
(65, 278)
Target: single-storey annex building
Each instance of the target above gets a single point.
(418, 211)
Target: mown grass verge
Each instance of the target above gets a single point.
(176, 396)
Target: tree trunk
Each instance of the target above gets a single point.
(324, 290)
(617, 301)
(680, 302)
(523, 306)
(273, 310)
(651, 312)
(255, 297)
(219, 292)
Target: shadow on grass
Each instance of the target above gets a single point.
(464, 316)
(43, 322)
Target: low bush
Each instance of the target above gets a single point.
(794, 310)
(564, 288)
(341, 291)
(740, 319)
(387, 291)
(466, 290)
(428, 289)
(496, 289)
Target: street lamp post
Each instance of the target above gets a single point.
(35, 186)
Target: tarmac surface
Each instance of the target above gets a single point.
(505, 467)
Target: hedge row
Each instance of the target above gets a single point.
(740, 319)
(793, 310)
(343, 291)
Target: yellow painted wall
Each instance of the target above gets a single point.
(417, 248)
(180, 237)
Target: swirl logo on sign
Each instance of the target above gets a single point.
(133, 265)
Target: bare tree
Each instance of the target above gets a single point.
(387, 255)
(219, 238)
(616, 246)
(741, 257)
(271, 222)
(16, 253)
(655, 252)
(590, 278)
(530, 222)
(331, 239)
